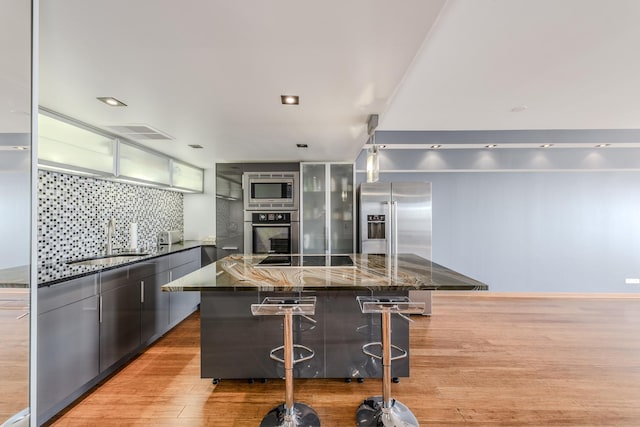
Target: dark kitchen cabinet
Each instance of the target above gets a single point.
(236, 344)
(181, 304)
(68, 342)
(207, 255)
(120, 320)
(90, 326)
(155, 303)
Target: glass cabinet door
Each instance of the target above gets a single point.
(341, 219)
(186, 176)
(63, 144)
(314, 209)
(146, 166)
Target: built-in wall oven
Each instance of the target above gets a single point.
(271, 220)
(268, 232)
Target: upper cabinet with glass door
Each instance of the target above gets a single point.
(314, 208)
(67, 147)
(327, 208)
(186, 177)
(142, 165)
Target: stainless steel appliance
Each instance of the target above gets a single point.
(271, 232)
(396, 218)
(270, 190)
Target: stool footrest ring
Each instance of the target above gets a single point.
(365, 350)
(311, 354)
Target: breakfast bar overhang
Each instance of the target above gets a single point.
(237, 345)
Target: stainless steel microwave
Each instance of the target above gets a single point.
(270, 190)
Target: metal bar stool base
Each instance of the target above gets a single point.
(370, 414)
(304, 416)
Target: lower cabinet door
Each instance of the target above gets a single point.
(181, 304)
(237, 344)
(155, 307)
(68, 349)
(119, 324)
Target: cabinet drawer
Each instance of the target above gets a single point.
(65, 293)
(185, 257)
(117, 277)
(163, 263)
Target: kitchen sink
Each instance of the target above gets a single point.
(107, 260)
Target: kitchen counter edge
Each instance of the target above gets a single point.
(65, 272)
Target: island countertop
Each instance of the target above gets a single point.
(369, 271)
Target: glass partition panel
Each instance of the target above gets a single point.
(15, 207)
(137, 163)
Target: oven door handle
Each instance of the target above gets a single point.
(271, 225)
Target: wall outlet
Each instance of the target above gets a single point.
(634, 281)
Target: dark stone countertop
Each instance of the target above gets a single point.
(50, 274)
(374, 272)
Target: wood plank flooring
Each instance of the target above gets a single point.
(14, 351)
(480, 360)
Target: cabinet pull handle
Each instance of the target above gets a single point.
(142, 291)
(100, 309)
(171, 276)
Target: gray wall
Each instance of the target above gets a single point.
(566, 229)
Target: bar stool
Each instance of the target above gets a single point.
(289, 413)
(384, 410)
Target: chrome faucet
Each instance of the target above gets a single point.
(111, 229)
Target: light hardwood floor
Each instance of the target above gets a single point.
(480, 360)
(14, 351)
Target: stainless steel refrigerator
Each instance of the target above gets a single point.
(395, 217)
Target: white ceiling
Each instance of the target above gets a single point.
(573, 63)
(211, 72)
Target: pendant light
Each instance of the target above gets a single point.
(373, 162)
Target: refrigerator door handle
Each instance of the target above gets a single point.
(394, 216)
(389, 230)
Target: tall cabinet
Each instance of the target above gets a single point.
(327, 208)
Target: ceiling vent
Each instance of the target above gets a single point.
(140, 132)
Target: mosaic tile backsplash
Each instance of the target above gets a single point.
(73, 212)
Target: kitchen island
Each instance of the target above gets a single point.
(236, 344)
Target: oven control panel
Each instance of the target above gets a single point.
(271, 217)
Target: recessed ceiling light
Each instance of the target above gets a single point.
(519, 109)
(491, 146)
(546, 145)
(435, 147)
(111, 101)
(602, 145)
(302, 146)
(195, 146)
(290, 99)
